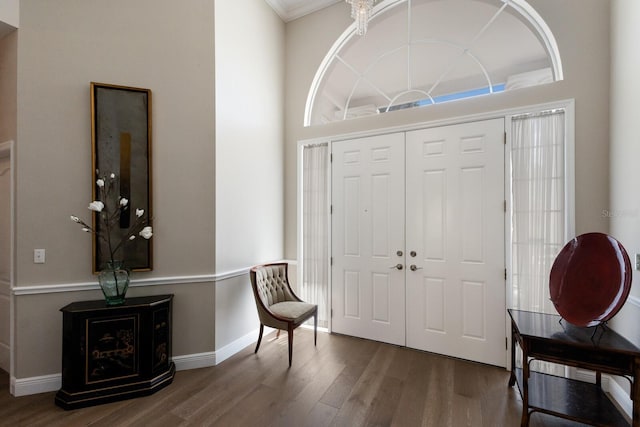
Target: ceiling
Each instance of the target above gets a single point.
(294, 9)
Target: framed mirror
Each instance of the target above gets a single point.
(121, 145)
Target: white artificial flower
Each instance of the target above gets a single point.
(96, 206)
(146, 232)
(110, 216)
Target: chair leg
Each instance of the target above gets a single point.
(259, 337)
(315, 329)
(290, 335)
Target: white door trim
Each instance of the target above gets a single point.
(7, 150)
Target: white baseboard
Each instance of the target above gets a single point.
(230, 349)
(611, 386)
(48, 383)
(35, 385)
(619, 395)
(194, 361)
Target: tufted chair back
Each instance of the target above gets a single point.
(272, 284)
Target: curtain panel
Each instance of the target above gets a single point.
(315, 228)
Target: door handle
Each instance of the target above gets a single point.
(397, 266)
(413, 267)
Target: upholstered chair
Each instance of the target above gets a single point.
(278, 306)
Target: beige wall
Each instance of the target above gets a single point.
(10, 12)
(625, 150)
(581, 28)
(249, 135)
(143, 44)
(8, 82)
(217, 158)
(249, 146)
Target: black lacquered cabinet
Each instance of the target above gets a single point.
(113, 353)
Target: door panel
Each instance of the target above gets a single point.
(455, 224)
(368, 294)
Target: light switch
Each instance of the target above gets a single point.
(38, 256)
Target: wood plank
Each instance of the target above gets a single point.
(357, 405)
(321, 415)
(344, 381)
(383, 406)
(412, 403)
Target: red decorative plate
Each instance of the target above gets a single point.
(590, 279)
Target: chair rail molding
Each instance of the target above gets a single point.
(135, 283)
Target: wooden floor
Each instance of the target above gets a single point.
(344, 381)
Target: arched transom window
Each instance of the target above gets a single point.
(422, 52)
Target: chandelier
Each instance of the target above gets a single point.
(361, 12)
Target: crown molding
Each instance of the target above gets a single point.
(289, 10)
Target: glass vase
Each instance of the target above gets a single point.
(114, 282)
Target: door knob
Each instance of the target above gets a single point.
(397, 266)
(413, 267)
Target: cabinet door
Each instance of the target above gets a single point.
(161, 343)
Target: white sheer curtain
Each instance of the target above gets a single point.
(538, 214)
(538, 206)
(315, 226)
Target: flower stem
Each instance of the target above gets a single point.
(115, 277)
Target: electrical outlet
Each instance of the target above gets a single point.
(637, 261)
(38, 256)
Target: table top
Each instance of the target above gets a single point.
(552, 327)
(128, 303)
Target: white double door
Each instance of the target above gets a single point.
(418, 240)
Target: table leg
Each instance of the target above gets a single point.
(525, 389)
(512, 378)
(635, 393)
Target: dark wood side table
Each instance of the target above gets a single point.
(113, 353)
(547, 337)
